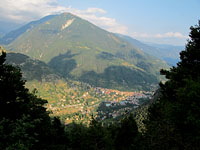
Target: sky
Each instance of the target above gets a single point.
(155, 21)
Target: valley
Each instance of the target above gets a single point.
(76, 101)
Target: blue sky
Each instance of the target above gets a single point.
(158, 21)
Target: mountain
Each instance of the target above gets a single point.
(6, 27)
(32, 69)
(82, 51)
(168, 53)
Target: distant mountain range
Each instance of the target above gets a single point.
(168, 53)
(79, 50)
(12, 35)
(6, 27)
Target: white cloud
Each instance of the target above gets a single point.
(159, 35)
(96, 10)
(171, 34)
(28, 10)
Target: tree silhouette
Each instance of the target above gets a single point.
(127, 134)
(24, 121)
(174, 119)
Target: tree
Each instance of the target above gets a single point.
(97, 136)
(127, 134)
(24, 122)
(77, 136)
(174, 119)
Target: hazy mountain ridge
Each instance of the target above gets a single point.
(12, 35)
(6, 27)
(168, 53)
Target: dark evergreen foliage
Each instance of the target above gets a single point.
(98, 136)
(174, 119)
(127, 134)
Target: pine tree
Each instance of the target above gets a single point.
(127, 134)
(174, 119)
(24, 121)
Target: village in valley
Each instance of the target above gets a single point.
(111, 109)
(79, 103)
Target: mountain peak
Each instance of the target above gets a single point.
(76, 48)
(68, 13)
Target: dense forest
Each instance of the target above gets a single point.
(172, 121)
